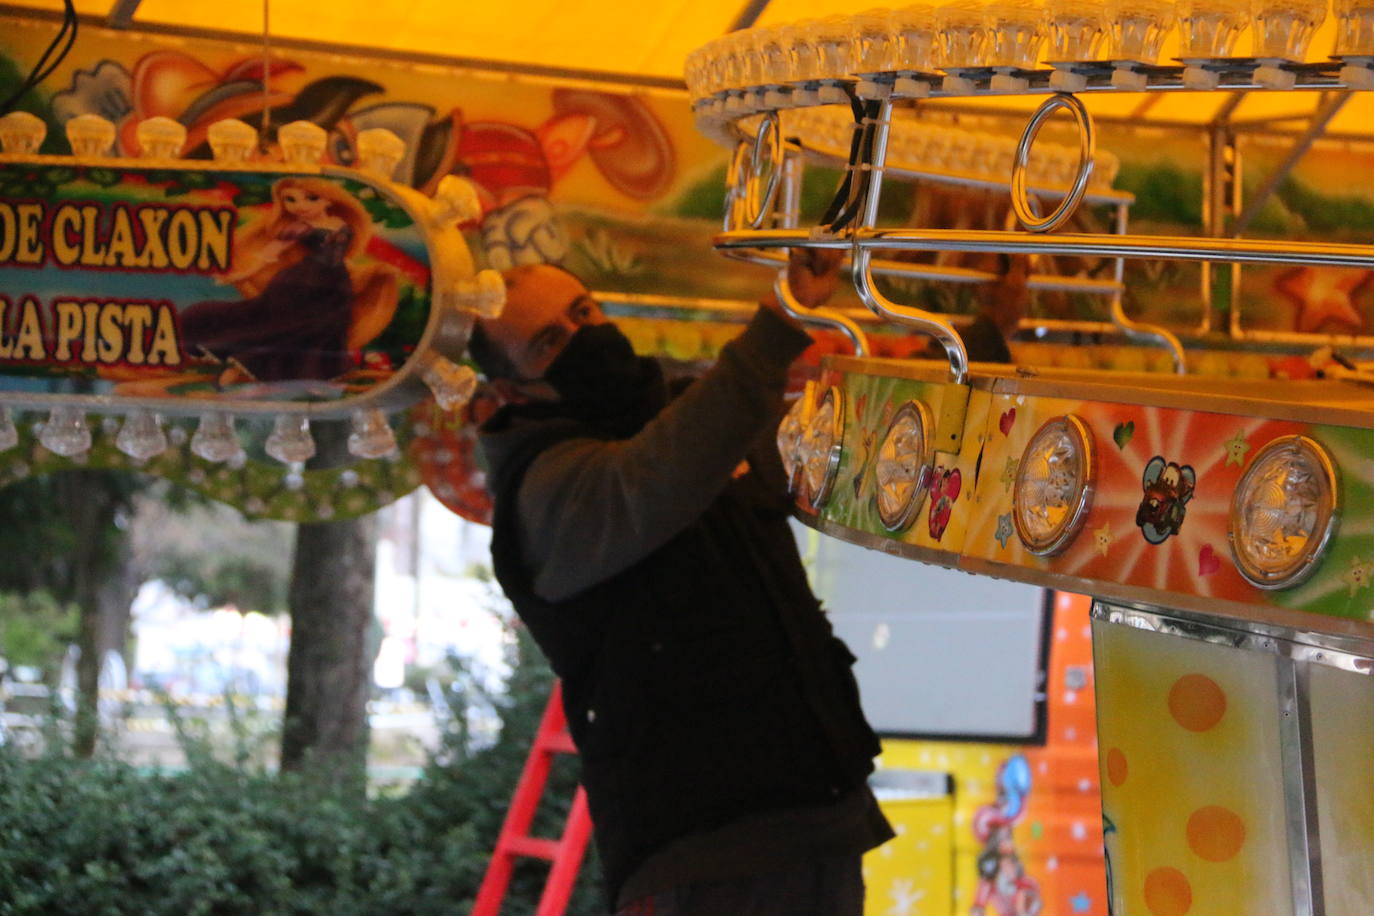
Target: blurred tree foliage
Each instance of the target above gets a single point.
(100, 837)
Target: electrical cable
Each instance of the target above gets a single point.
(44, 67)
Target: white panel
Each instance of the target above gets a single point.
(940, 652)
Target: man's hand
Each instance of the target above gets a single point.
(812, 274)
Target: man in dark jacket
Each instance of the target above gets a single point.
(643, 539)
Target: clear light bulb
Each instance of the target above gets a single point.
(21, 134)
(160, 138)
(380, 151)
(90, 135)
(9, 435)
(141, 437)
(453, 385)
(215, 439)
(290, 440)
(66, 432)
(302, 142)
(231, 140)
(371, 436)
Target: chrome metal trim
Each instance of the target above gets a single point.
(831, 318)
(1078, 431)
(1300, 788)
(821, 493)
(1087, 147)
(906, 515)
(937, 326)
(1314, 552)
(1149, 247)
(1001, 241)
(1354, 654)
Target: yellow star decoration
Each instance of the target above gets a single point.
(1324, 295)
(1009, 472)
(1358, 575)
(1103, 538)
(1236, 447)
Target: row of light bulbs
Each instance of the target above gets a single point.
(921, 146)
(232, 142)
(802, 63)
(142, 436)
(1283, 510)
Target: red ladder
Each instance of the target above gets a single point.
(566, 852)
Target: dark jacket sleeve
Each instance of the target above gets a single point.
(589, 509)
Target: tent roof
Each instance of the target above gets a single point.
(635, 41)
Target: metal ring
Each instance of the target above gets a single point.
(736, 187)
(1087, 147)
(758, 205)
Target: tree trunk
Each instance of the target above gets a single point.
(100, 582)
(328, 668)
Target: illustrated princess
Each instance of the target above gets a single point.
(305, 307)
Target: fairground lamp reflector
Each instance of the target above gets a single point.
(791, 435)
(1054, 485)
(821, 447)
(902, 470)
(1283, 512)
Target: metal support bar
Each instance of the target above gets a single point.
(1300, 787)
(1138, 330)
(1183, 248)
(930, 323)
(827, 317)
(1320, 119)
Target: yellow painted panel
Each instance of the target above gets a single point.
(914, 872)
(1191, 772)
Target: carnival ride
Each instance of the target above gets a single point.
(1216, 522)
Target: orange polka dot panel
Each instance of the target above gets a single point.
(1167, 892)
(1117, 767)
(1196, 702)
(1215, 833)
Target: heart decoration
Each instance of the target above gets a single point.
(944, 490)
(1123, 433)
(1207, 561)
(1005, 422)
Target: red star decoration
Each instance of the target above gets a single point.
(1323, 295)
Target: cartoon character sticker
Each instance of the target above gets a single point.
(1004, 888)
(1168, 487)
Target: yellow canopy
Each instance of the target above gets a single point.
(630, 39)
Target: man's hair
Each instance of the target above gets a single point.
(490, 358)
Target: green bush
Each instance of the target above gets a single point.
(99, 837)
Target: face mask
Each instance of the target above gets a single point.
(602, 382)
(598, 363)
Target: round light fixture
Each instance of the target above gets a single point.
(1054, 485)
(902, 470)
(1283, 512)
(821, 447)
